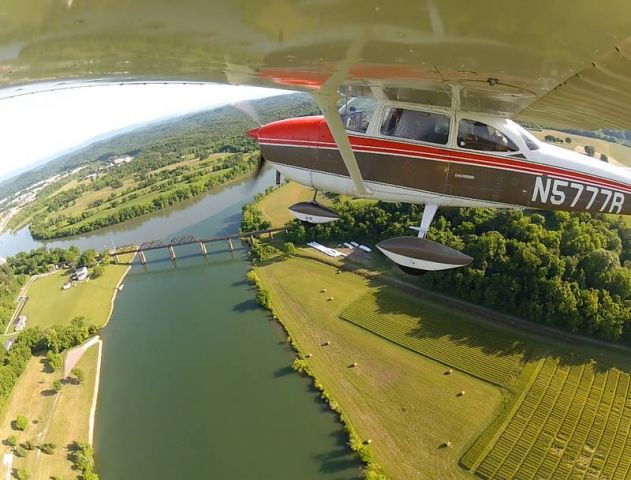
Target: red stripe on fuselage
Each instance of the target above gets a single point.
(380, 146)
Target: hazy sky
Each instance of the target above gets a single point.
(33, 127)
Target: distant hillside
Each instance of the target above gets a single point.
(182, 135)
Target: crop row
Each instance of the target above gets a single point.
(574, 423)
(489, 354)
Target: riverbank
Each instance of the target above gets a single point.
(61, 409)
(399, 402)
(92, 299)
(356, 333)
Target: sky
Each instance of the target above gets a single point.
(37, 126)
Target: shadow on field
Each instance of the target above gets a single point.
(441, 322)
(436, 322)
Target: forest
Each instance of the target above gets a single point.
(571, 271)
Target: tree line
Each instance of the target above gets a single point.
(568, 270)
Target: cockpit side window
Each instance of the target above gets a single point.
(357, 113)
(416, 125)
(476, 135)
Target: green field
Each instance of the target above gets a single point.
(556, 415)
(399, 399)
(60, 418)
(274, 206)
(49, 305)
(573, 423)
(446, 336)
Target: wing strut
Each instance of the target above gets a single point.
(328, 105)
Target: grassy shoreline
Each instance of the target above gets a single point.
(373, 470)
(399, 402)
(67, 416)
(93, 299)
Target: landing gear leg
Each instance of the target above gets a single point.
(428, 215)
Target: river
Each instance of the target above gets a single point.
(196, 379)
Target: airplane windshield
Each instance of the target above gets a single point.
(357, 112)
(476, 135)
(529, 139)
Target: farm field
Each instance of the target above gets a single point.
(558, 410)
(573, 423)
(446, 336)
(399, 399)
(49, 305)
(274, 206)
(59, 418)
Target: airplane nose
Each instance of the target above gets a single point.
(254, 133)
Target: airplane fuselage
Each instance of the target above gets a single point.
(532, 174)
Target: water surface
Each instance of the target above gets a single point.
(196, 379)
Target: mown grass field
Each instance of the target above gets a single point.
(274, 206)
(563, 411)
(58, 418)
(49, 305)
(399, 399)
(448, 337)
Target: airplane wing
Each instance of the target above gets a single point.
(565, 63)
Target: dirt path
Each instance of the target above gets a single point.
(7, 461)
(74, 354)
(95, 394)
(22, 293)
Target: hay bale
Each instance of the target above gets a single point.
(308, 355)
(330, 299)
(447, 444)
(448, 372)
(461, 393)
(354, 365)
(323, 290)
(367, 441)
(327, 343)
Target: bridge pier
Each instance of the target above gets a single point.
(116, 261)
(202, 247)
(172, 253)
(143, 259)
(230, 245)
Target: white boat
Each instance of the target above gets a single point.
(120, 287)
(67, 285)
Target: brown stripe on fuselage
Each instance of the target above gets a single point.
(438, 176)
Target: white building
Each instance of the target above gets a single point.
(20, 323)
(81, 274)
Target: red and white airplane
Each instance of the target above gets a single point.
(428, 90)
(405, 152)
